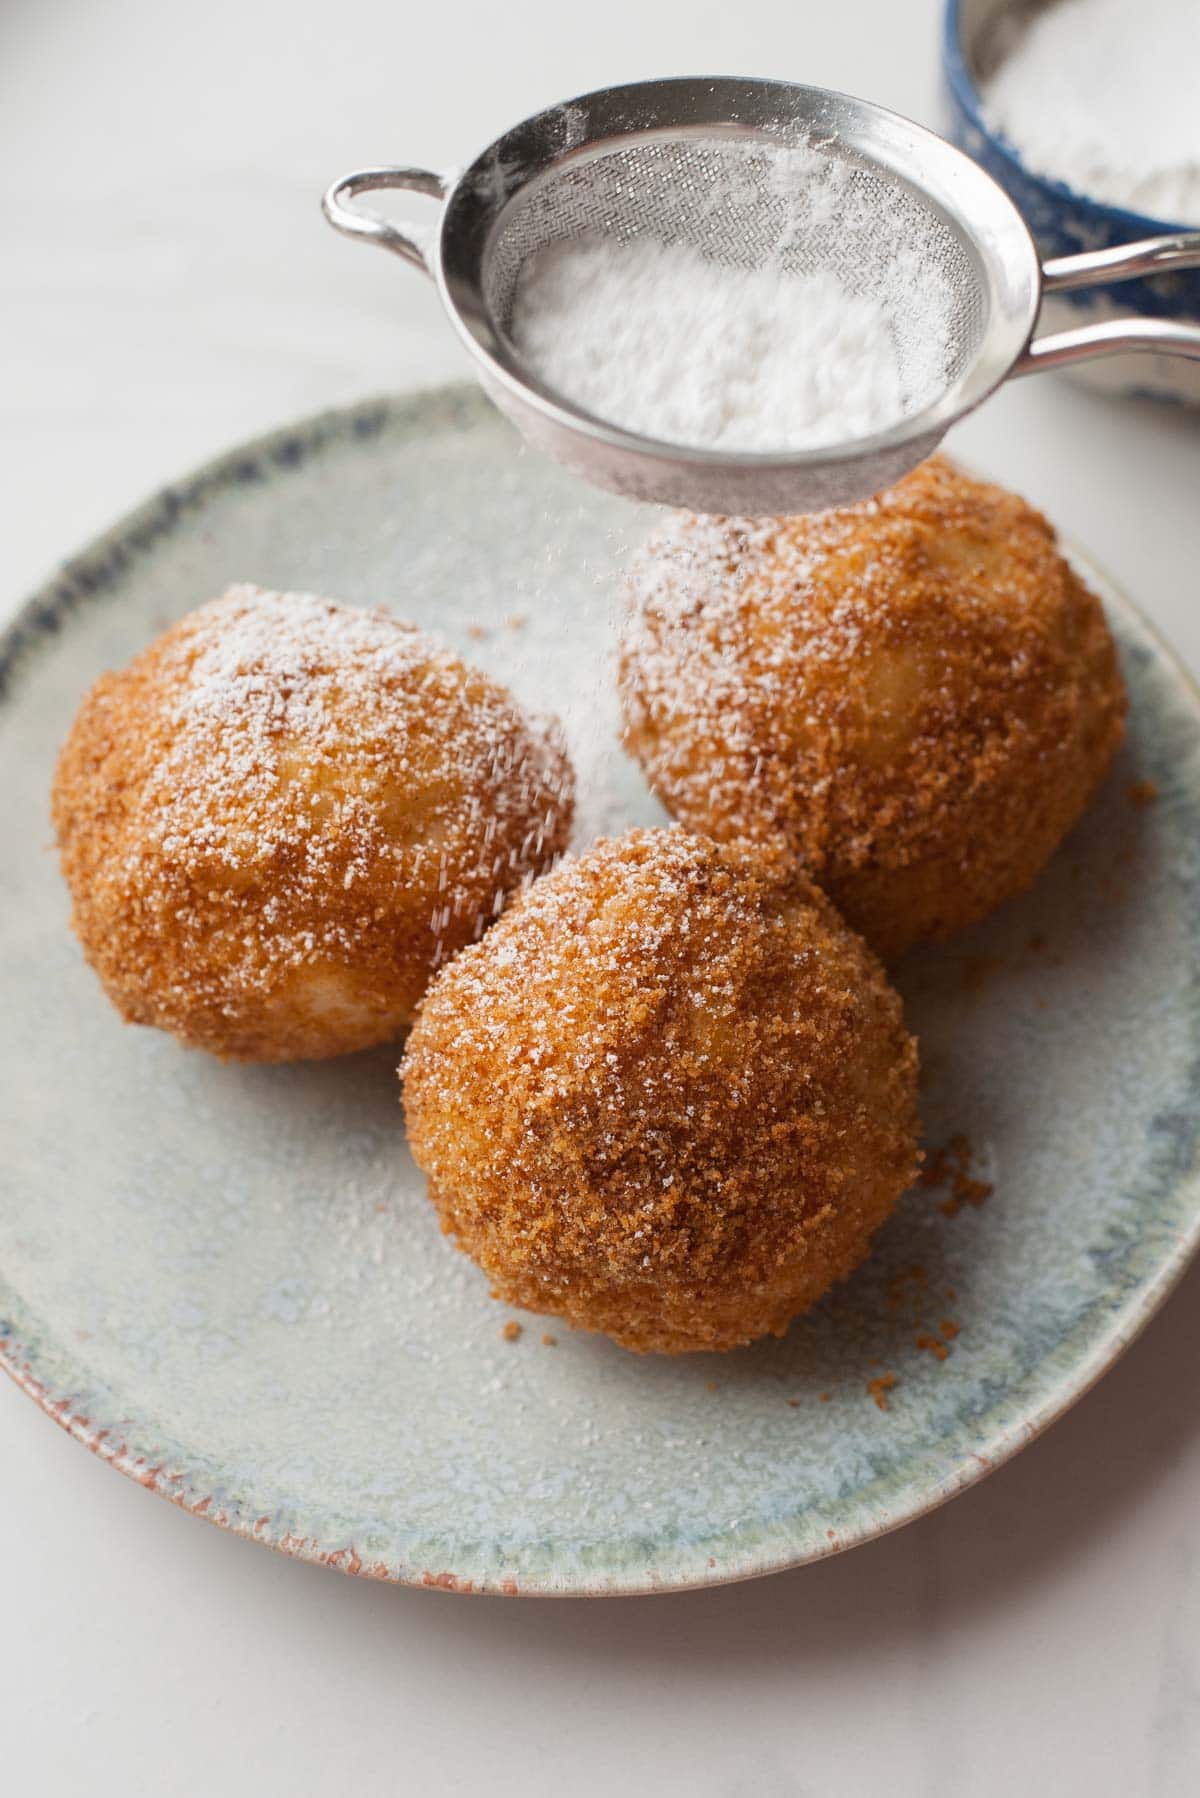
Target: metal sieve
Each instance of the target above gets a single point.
(694, 162)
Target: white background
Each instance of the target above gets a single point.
(168, 287)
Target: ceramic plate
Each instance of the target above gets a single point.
(227, 1281)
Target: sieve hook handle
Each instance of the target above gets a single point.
(411, 243)
(1116, 336)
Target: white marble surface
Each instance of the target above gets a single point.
(166, 288)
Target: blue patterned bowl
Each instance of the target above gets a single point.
(1065, 222)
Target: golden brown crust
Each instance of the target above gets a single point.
(917, 695)
(284, 813)
(669, 1096)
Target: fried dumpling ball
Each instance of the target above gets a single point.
(670, 1096)
(915, 695)
(284, 814)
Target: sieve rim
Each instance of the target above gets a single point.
(997, 240)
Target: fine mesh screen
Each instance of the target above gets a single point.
(748, 207)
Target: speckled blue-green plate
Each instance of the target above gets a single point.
(228, 1282)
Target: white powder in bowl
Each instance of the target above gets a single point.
(1104, 95)
(661, 339)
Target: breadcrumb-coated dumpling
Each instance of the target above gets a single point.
(916, 695)
(670, 1096)
(284, 814)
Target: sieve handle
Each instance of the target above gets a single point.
(1124, 262)
(1116, 336)
(411, 244)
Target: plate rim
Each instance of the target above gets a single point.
(81, 579)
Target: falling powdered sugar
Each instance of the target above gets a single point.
(813, 345)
